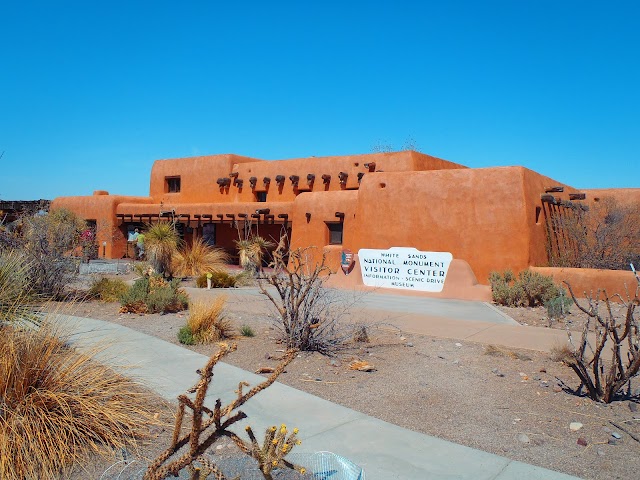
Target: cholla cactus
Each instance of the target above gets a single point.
(275, 447)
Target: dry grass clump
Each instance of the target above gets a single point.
(495, 351)
(561, 353)
(58, 405)
(198, 258)
(107, 289)
(207, 321)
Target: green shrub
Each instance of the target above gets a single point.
(220, 279)
(528, 289)
(108, 290)
(558, 307)
(154, 294)
(185, 336)
(247, 331)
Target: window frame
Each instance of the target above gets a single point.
(335, 228)
(173, 184)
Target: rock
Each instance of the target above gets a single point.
(633, 406)
(334, 363)
(616, 435)
(456, 362)
(497, 372)
(219, 447)
(613, 441)
(544, 384)
(543, 370)
(523, 438)
(458, 344)
(409, 344)
(575, 426)
(537, 378)
(267, 356)
(403, 338)
(581, 441)
(557, 389)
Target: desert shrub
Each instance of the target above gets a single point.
(605, 378)
(603, 236)
(185, 335)
(558, 307)
(307, 315)
(154, 294)
(107, 289)
(47, 243)
(528, 289)
(221, 279)
(207, 321)
(15, 288)
(198, 258)
(58, 405)
(143, 269)
(247, 331)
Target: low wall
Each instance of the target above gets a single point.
(587, 281)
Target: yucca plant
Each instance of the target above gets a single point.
(198, 258)
(16, 293)
(58, 405)
(161, 241)
(207, 322)
(251, 251)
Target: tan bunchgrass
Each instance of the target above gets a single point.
(16, 294)
(207, 321)
(199, 258)
(57, 405)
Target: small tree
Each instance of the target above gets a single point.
(605, 380)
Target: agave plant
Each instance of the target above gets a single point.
(198, 258)
(161, 242)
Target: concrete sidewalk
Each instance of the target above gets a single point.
(385, 451)
(455, 319)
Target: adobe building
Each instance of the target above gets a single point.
(484, 219)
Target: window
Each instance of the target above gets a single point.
(173, 184)
(209, 234)
(335, 233)
(261, 196)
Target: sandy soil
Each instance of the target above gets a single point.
(518, 404)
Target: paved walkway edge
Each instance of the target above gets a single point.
(384, 450)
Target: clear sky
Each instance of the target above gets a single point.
(91, 93)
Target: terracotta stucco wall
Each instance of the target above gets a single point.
(479, 215)
(101, 207)
(587, 281)
(199, 175)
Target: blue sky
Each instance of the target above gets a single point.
(91, 93)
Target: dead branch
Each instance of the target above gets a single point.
(205, 432)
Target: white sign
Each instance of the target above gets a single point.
(407, 268)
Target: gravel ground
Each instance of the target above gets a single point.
(517, 404)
